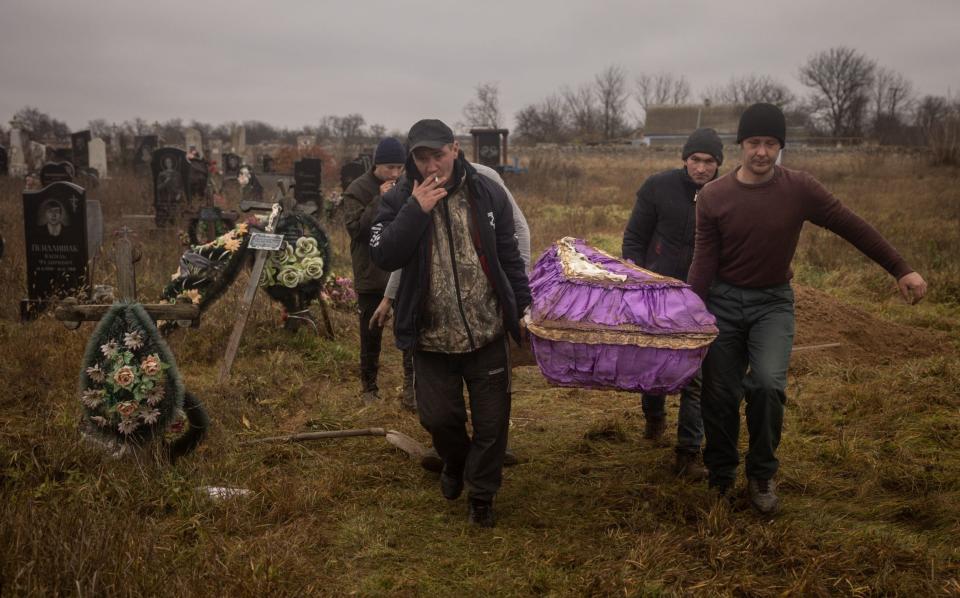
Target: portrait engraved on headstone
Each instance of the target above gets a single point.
(55, 231)
(171, 180)
(231, 164)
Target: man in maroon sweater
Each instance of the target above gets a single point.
(748, 225)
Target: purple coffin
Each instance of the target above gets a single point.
(599, 322)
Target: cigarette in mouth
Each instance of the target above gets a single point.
(436, 179)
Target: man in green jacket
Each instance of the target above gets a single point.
(361, 201)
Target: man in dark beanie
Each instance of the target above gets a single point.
(748, 225)
(462, 292)
(361, 201)
(659, 237)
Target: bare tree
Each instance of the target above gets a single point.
(891, 93)
(939, 121)
(41, 124)
(611, 94)
(546, 121)
(484, 109)
(750, 90)
(661, 88)
(378, 131)
(840, 79)
(582, 110)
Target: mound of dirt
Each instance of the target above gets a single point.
(864, 338)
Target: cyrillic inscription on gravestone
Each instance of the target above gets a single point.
(56, 172)
(306, 180)
(55, 229)
(79, 142)
(171, 180)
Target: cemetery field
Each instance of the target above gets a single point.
(870, 458)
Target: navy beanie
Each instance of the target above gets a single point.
(390, 151)
(706, 141)
(762, 120)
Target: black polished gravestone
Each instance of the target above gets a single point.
(267, 162)
(143, 148)
(355, 169)
(232, 164)
(56, 172)
(4, 161)
(171, 180)
(55, 230)
(80, 142)
(306, 180)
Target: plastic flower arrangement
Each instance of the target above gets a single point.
(339, 292)
(129, 386)
(294, 265)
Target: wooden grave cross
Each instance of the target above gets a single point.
(264, 243)
(73, 314)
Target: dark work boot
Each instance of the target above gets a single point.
(451, 484)
(655, 427)
(431, 461)
(763, 495)
(480, 513)
(688, 466)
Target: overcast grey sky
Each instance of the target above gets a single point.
(291, 62)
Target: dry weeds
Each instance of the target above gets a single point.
(870, 460)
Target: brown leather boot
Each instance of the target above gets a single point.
(688, 466)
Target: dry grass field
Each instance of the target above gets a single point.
(870, 476)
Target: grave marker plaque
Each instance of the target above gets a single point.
(306, 180)
(55, 230)
(55, 172)
(81, 152)
(171, 180)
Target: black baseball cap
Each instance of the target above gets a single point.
(429, 132)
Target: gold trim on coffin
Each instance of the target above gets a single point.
(597, 336)
(568, 255)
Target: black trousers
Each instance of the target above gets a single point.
(438, 380)
(370, 340)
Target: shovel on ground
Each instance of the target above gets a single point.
(398, 439)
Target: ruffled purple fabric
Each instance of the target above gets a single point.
(654, 306)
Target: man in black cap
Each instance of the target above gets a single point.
(659, 237)
(748, 225)
(462, 291)
(361, 201)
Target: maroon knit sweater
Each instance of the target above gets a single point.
(747, 234)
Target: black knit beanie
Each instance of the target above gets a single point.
(762, 120)
(704, 140)
(390, 151)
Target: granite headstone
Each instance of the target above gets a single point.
(306, 180)
(171, 179)
(55, 230)
(79, 141)
(54, 172)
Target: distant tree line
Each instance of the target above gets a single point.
(849, 95)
